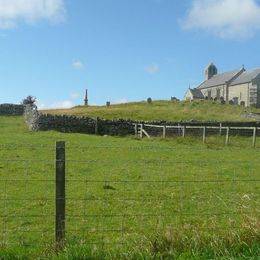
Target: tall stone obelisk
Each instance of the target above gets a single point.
(86, 98)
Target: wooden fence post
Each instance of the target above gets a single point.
(254, 136)
(204, 134)
(136, 129)
(60, 195)
(220, 129)
(179, 130)
(183, 131)
(164, 131)
(141, 130)
(227, 136)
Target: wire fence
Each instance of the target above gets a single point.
(120, 197)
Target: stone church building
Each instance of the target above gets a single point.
(239, 87)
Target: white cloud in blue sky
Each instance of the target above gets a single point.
(228, 19)
(58, 104)
(119, 101)
(75, 95)
(78, 65)
(152, 68)
(14, 11)
(129, 50)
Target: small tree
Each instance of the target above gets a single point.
(30, 100)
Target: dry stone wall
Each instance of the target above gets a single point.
(11, 110)
(120, 127)
(72, 124)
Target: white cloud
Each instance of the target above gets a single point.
(75, 95)
(119, 101)
(77, 65)
(152, 68)
(230, 19)
(59, 104)
(29, 11)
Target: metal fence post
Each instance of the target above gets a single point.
(60, 195)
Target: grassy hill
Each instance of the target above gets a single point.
(163, 110)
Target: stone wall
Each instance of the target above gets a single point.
(11, 110)
(72, 124)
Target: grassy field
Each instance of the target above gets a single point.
(129, 198)
(163, 110)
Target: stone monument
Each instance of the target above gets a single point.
(86, 98)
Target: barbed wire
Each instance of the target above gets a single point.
(127, 197)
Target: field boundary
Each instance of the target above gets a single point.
(37, 121)
(147, 130)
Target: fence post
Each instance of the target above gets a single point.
(164, 131)
(136, 129)
(254, 136)
(204, 134)
(60, 195)
(141, 130)
(183, 131)
(227, 136)
(220, 129)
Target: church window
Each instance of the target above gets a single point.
(209, 94)
(218, 93)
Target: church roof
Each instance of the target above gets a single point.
(246, 76)
(196, 93)
(220, 79)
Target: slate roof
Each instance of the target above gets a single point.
(246, 76)
(220, 79)
(196, 93)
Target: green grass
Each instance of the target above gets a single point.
(163, 110)
(129, 198)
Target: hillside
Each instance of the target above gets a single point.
(162, 110)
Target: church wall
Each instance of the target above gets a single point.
(258, 95)
(188, 95)
(214, 91)
(256, 85)
(240, 92)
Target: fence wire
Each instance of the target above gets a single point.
(125, 196)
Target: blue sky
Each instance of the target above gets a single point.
(120, 50)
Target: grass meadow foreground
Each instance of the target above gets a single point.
(128, 198)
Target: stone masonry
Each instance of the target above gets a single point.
(11, 110)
